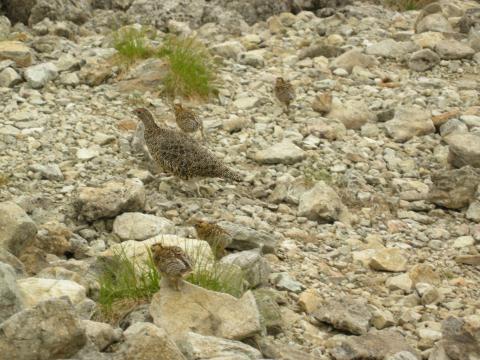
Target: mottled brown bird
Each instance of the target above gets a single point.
(284, 92)
(171, 262)
(180, 154)
(187, 120)
(214, 235)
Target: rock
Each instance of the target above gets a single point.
(428, 293)
(270, 312)
(254, 267)
(284, 281)
(433, 22)
(10, 298)
(245, 103)
(48, 171)
(464, 149)
(138, 226)
(285, 152)
(110, 200)
(473, 211)
(16, 51)
(245, 238)
(101, 334)
(229, 49)
(352, 58)
(391, 49)
(13, 261)
(309, 300)
(463, 241)
(382, 318)
(428, 39)
(54, 238)
(69, 79)
(331, 130)
(77, 12)
(470, 19)
(322, 103)
(87, 153)
(345, 314)
(321, 203)
(423, 273)
(254, 11)
(5, 27)
(453, 50)
(47, 331)
(18, 230)
(138, 250)
(196, 346)
(423, 60)
(146, 341)
(402, 282)
(410, 121)
(453, 126)
(390, 259)
(206, 312)
(139, 314)
(473, 260)
(461, 339)
(274, 349)
(376, 345)
(9, 78)
(37, 76)
(454, 189)
(35, 290)
(253, 58)
(353, 114)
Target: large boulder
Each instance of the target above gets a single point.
(464, 149)
(410, 121)
(17, 228)
(205, 312)
(18, 10)
(48, 331)
(16, 51)
(38, 76)
(138, 226)
(35, 290)
(10, 298)
(245, 238)
(77, 11)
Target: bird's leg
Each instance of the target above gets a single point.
(177, 283)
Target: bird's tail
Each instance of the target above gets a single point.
(232, 175)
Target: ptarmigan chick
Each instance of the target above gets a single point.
(180, 154)
(187, 120)
(284, 92)
(171, 262)
(214, 235)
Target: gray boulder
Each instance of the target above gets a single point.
(409, 121)
(10, 298)
(321, 203)
(423, 60)
(464, 149)
(18, 229)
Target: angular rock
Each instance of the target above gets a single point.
(391, 49)
(453, 50)
(9, 78)
(321, 203)
(470, 19)
(322, 103)
(464, 149)
(196, 346)
(54, 238)
(101, 334)
(410, 121)
(402, 282)
(352, 58)
(16, 51)
(35, 290)
(309, 300)
(38, 76)
(48, 171)
(285, 152)
(10, 298)
(206, 312)
(453, 126)
(423, 60)
(382, 318)
(245, 238)
(18, 230)
(345, 314)
(454, 189)
(270, 312)
(110, 200)
(284, 281)
(376, 345)
(138, 226)
(254, 267)
(433, 22)
(428, 293)
(390, 259)
(229, 49)
(75, 11)
(473, 211)
(50, 330)
(461, 338)
(353, 114)
(424, 273)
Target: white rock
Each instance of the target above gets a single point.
(138, 226)
(9, 78)
(87, 153)
(285, 152)
(35, 290)
(463, 241)
(37, 76)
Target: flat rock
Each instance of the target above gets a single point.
(17, 52)
(205, 312)
(352, 58)
(49, 330)
(321, 203)
(229, 49)
(454, 189)
(424, 273)
(409, 121)
(246, 238)
(390, 259)
(18, 229)
(38, 76)
(285, 152)
(352, 114)
(464, 149)
(138, 226)
(345, 314)
(423, 60)
(35, 290)
(197, 346)
(284, 281)
(392, 49)
(433, 22)
(376, 345)
(10, 297)
(453, 50)
(110, 200)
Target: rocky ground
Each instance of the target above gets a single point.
(358, 222)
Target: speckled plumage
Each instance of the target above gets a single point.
(284, 92)
(217, 238)
(187, 120)
(171, 262)
(180, 154)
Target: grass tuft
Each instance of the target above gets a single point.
(131, 44)
(192, 71)
(408, 5)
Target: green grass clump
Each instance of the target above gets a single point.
(192, 71)
(131, 44)
(219, 277)
(407, 5)
(313, 175)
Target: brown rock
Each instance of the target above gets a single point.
(16, 51)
